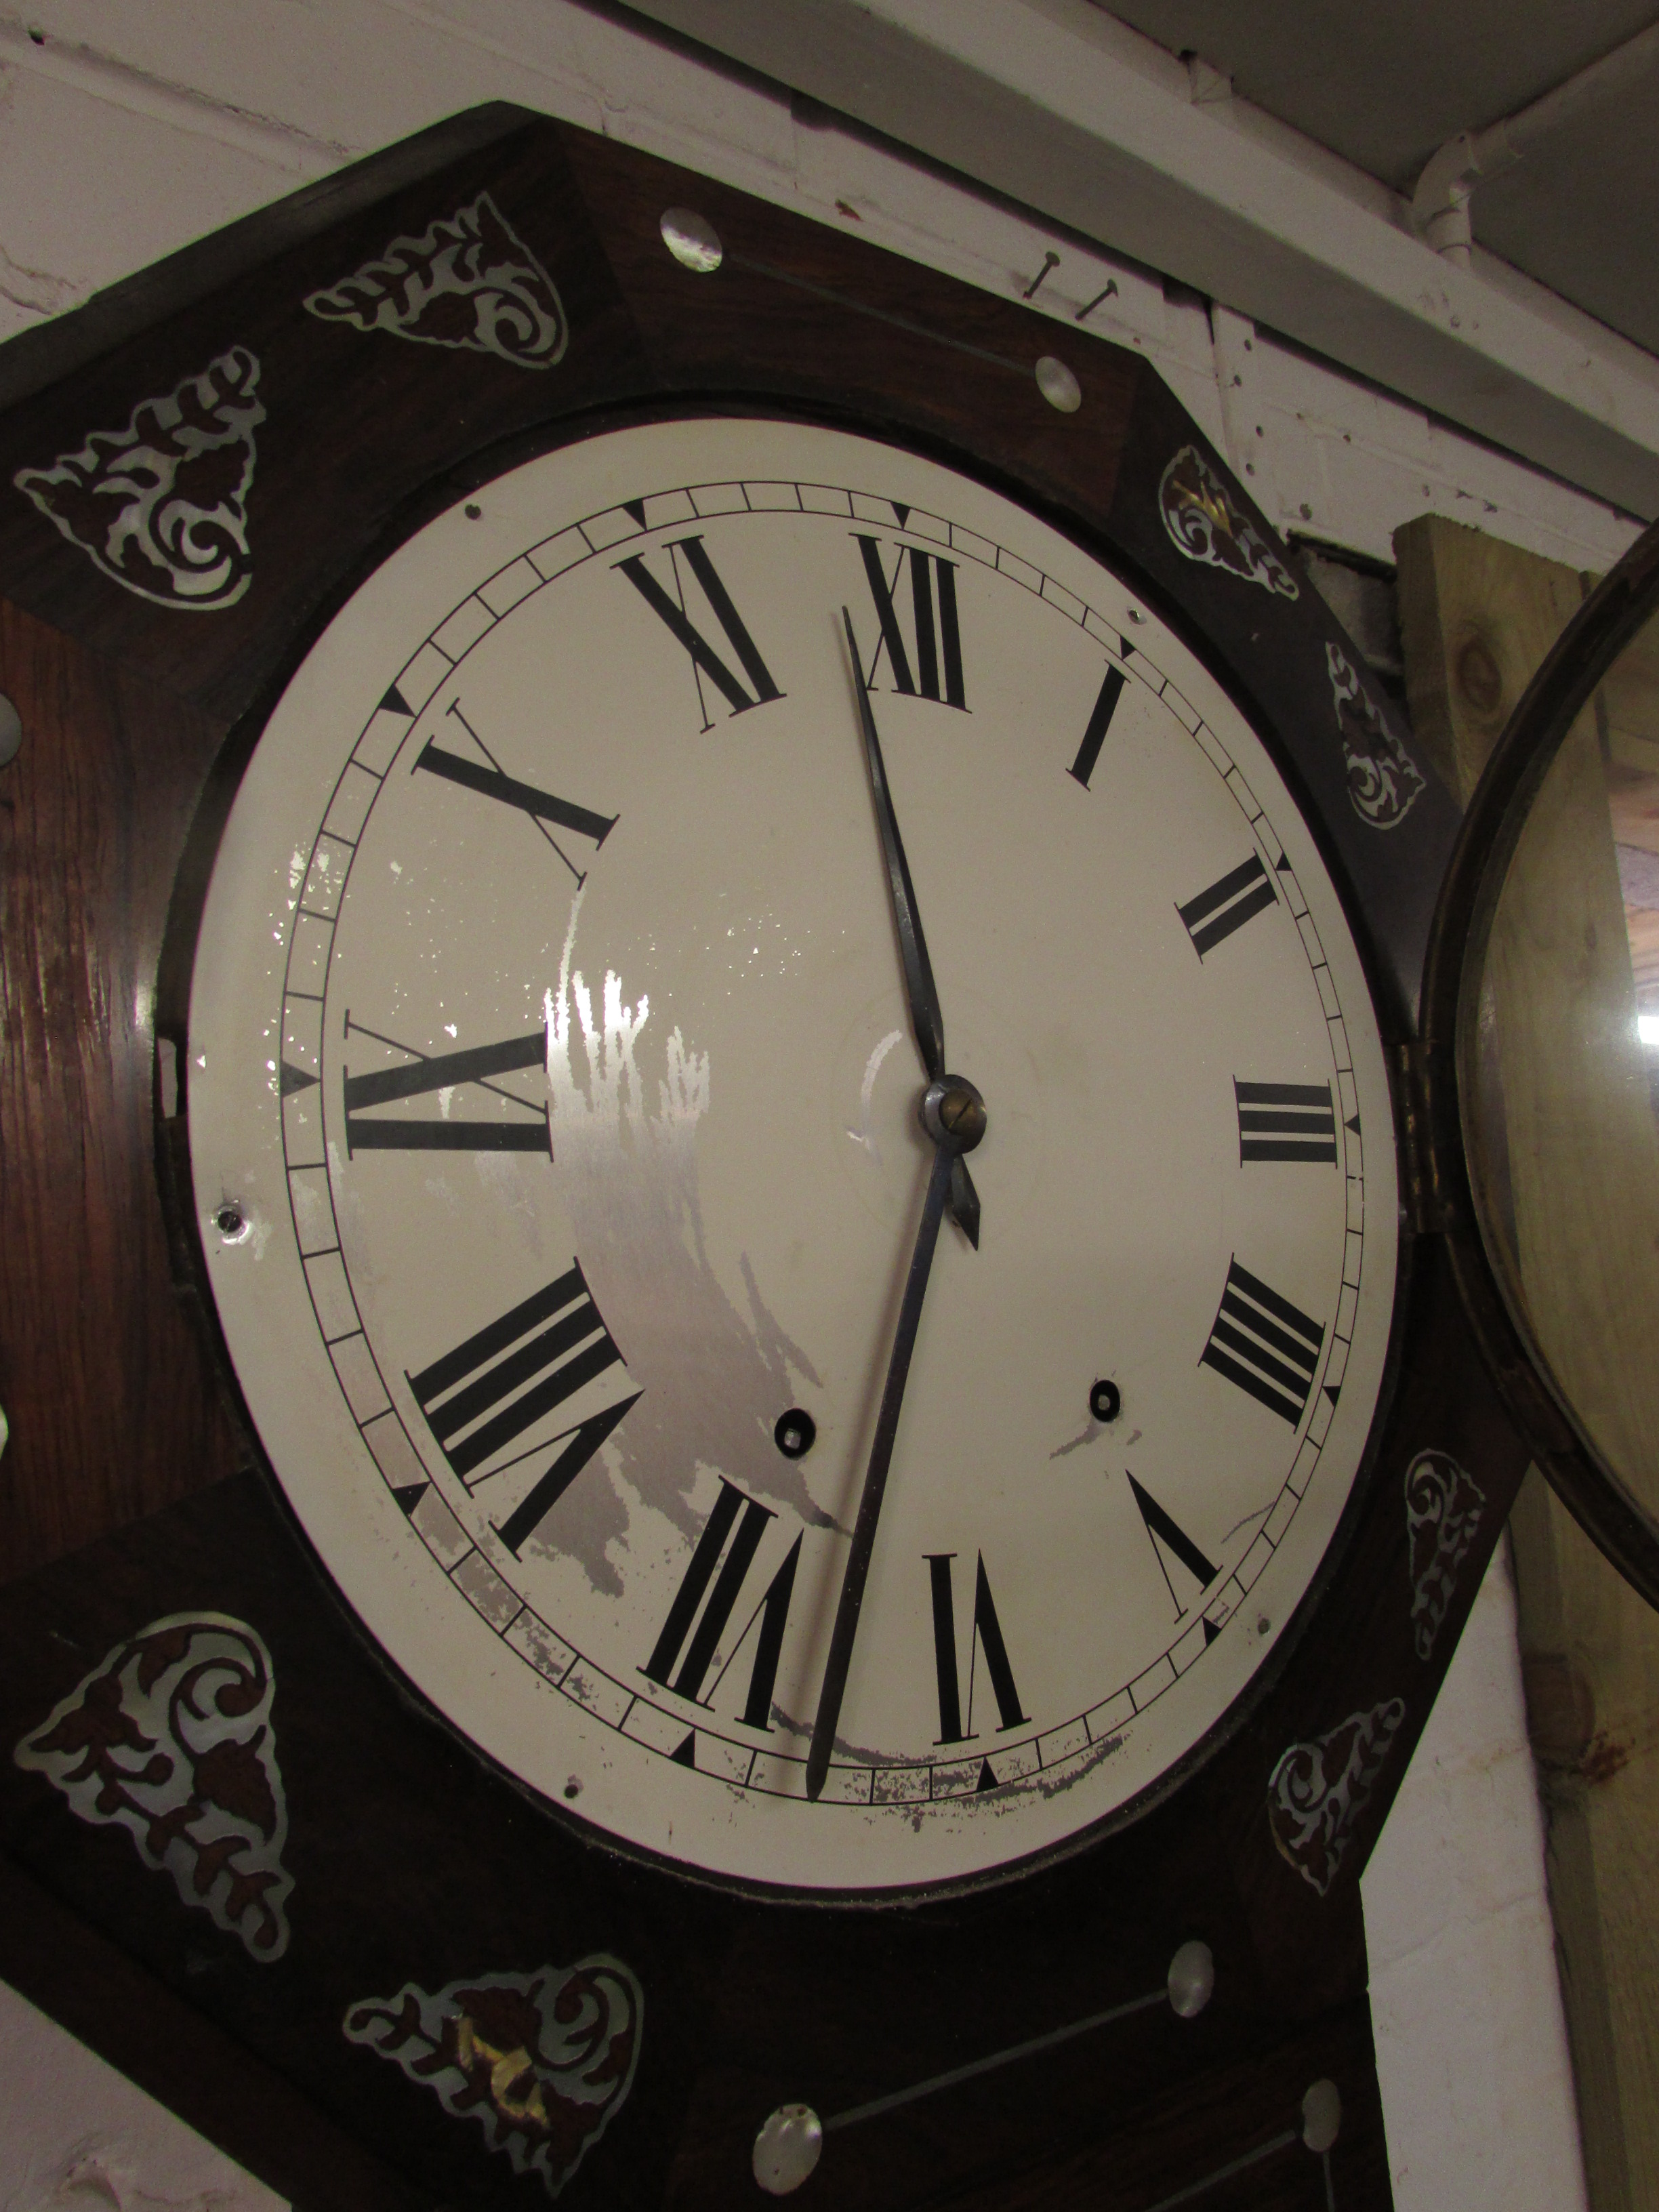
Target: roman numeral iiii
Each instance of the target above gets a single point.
(1264, 1344)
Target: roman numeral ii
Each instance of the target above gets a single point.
(1213, 917)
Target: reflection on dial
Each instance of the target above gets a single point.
(547, 1017)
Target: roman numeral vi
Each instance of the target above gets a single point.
(987, 1637)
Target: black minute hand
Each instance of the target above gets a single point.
(927, 1018)
(954, 1115)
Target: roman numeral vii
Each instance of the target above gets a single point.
(684, 1651)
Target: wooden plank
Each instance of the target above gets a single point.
(1582, 1171)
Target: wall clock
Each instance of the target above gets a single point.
(533, 917)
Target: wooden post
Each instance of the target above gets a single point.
(1583, 1173)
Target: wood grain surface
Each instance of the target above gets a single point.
(1583, 1170)
(108, 1389)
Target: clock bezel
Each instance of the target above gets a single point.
(441, 493)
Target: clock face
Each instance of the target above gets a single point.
(553, 1106)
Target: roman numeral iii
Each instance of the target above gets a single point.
(1286, 1122)
(1227, 905)
(506, 1377)
(1264, 1344)
(936, 636)
(671, 609)
(987, 1637)
(684, 1652)
(447, 1071)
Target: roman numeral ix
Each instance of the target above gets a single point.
(503, 1379)
(1286, 1122)
(705, 660)
(1264, 1344)
(987, 1637)
(445, 1071)
(1227, 905)
(683, 1654)
(938, 636)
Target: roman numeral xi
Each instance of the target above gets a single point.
(705, 661)
(1264, 1344)
(503, 1379)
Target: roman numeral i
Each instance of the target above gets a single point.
(684, 1652)
(671, 610)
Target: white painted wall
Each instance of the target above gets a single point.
(77, 2136)
(128, 128)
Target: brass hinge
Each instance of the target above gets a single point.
(1415, 1071)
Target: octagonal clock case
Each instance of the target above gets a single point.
(786, 1070)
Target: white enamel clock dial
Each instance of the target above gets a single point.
(553, 1111)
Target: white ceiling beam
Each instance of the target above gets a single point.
(1058, 105)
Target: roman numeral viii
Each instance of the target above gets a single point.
(671, 609)
(1227, 905)
(446, 1071)
(683, 1654)
(987, 1637)
(1286, 1122)
(1264, 1344)
(506, 1377)
(935, 632)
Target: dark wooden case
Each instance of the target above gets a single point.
(132, 1490)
